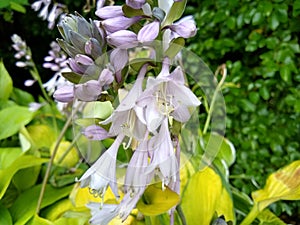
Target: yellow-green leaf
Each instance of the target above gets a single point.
(24, 161)
(6, 85)
(36, 220)
(266, 217)
(225, 206)
(156, 201)
(201, 196)
(281, 185)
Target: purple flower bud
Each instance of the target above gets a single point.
(119, 23)
(136, 4)
(109, 12)
(21, 64)
(93, 48)
(149, 32)
(83, 60)
(106, 77)
(88, 91)
(123, 39)
(95, 132)
(75, 67)
(185, 27)
(64, 94)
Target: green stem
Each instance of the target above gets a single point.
(61, 135)
(214, 98)
(251, 216)
(69, 148)
(181, 215)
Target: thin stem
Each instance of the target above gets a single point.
(251, 216)
(69, 148)
(181, 215)
(60, 137)
(223, 70)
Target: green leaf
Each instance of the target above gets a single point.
(21, 97)
(98, 110)
(26, 178)
(130, 12)
(24, 161)
(257, 18)
(12, 119)
(72, 77)
(17, 7)
(175, 46)
(36, 220)
(266, 217)
(175, 12)
(225, 148)
(6, 84)
(264, 93)
(156, 201)
(8, 156)
(247, 105)
(274, 22)
(5, 216)
(285, 73)
(24, 207)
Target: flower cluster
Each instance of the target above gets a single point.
(57, 10)
(144, 116)
(23, 52)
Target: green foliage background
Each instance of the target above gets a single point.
(259, 42)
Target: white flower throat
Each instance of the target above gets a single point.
(164, 101)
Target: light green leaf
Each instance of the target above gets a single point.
(5, 216)
(12, 119)
(36, 220)
(266, 217)
(285, 73)
(201, 196)
(99, 110)
(21, 97)
(156, 201)
(17, 7)
(6, 84)
(41, 135)
(8, 156)
(24, 161)
(26, 178)
(274, 22)
(24, 207)
(175, 12)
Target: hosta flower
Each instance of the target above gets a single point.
(109, 12)
(64, 94)
(94, 132)
(103, 172)
(163, 159)
(149, 32)
(76, 32)
(23, 51)
(125, 117)
(88, 91)
(166, 95)
(122, 39)
(114, 24)
(102, 213)
(186, 27)
(119, 59)
(136, 4)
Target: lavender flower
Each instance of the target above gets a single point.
(122, 39)
(103, 171)
(149, 32)
(64, 94)
(186, 27)
(102, 213)
(23, 51)
(95, 132)
(108, 12)
(114, 24)
(136, 4)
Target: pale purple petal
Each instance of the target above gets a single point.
(88, 91)
(64, 94)
(95, 132)
(109, 12)
(114, 24)
(149, 32)
(122, 39)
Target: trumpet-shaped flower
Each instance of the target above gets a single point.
(165, 96)
(125, 118)
(163, 158)
(122, 39)
(186, 27)
(103, 172)
(102, 213)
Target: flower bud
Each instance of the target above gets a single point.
(64, 94)
(149, 32)
(93, 48)
(136, 4)
(88, 91)
(109, 12)
(83, 60)
(185, 27)
(95, 132)
(106, 77)
(112, 25)
(123, 39)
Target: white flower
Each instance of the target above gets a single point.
(103, 171)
